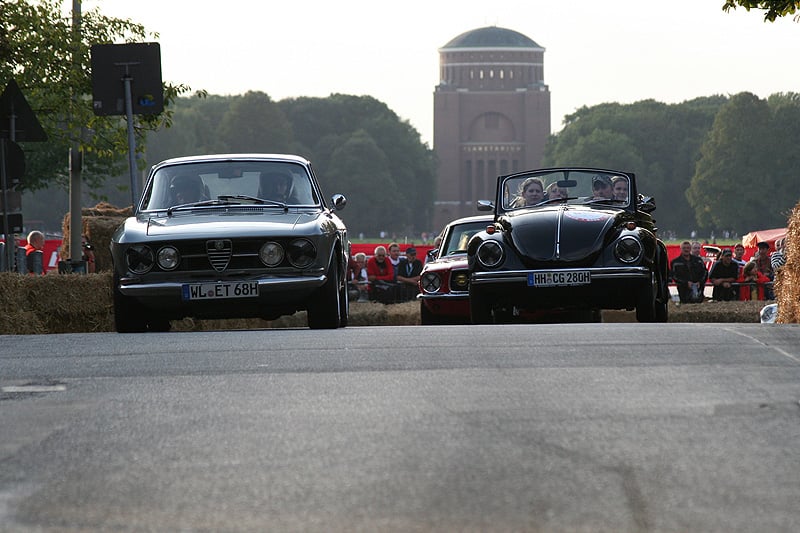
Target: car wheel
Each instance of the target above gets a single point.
(662, 301)
(344, 304)
(426, 318)
(646, 302)
(479, 310)
(323, 310)
(128, 315)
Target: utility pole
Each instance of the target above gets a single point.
(75, 154)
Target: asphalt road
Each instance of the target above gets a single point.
(595, 427)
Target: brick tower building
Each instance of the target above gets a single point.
(491, 116)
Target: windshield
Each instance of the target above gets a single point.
(456, 240)
(565, 186)
(277, 183)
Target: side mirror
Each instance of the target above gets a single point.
(646, 204)
(432, 254)
(338, 201)
(485, 205)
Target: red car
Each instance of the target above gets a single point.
(444, 282)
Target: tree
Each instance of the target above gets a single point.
(254, 123)
(659, 142)
(360, 170)
(52, 67)
(732, 186)
(774, 8)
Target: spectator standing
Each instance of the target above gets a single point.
(738, 255)
(394, 257)
(723, 275)
(778, 258)
(689, 274)
(380, 274)
(764, 266)
(34, 252)
(750, 279)
(408, 272)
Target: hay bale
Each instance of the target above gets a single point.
(98, 224)
(55, 303)
(787, 280)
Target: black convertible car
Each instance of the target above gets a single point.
(231, 236)
(579, 239)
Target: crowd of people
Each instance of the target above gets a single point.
(386, 277)
(730, 275)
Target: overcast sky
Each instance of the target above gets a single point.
(621, 51)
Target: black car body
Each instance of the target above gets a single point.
(230, 236)
(444, 281)
(584, 249)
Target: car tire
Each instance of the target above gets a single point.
(324, 308)
(128, 315)
(344, 303)
(479, 310)
(426, 318)
(662, 301)
(646, 302)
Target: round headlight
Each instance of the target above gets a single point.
(490, 254)
(168, 258)
(628, 249)
(431, 282)
(271, 254)
(140, 258)
(301, 253)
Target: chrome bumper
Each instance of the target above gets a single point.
(521, 276)
(163, 288)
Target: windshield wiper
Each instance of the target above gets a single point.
(254, 199)
(228, 199)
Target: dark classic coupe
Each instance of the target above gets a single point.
(231, 236)
(444, 281)
(575, 239)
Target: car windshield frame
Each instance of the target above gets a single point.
(213, 184)
(459, 235)
(583, 187)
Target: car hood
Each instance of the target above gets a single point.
(217, 222)
(560, 233)
(449, 262)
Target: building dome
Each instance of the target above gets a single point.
(491, 37)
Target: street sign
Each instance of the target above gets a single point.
(18, 122)
(140, 63)
(12, 158)
(14, 223)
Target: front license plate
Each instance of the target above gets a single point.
(559, 279)
(217, 291)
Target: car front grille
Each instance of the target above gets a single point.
(219, 253)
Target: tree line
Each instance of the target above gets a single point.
(357, 145)
(713, 163)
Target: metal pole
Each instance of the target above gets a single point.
(131, 140)
(11, 242)
(75, 219)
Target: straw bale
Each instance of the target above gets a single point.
(787, 280)
(98, 224)
(55, 303)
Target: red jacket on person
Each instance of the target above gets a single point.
(384, 272)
